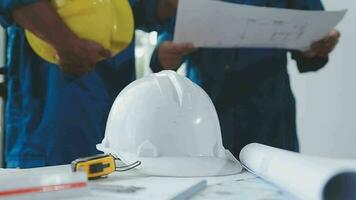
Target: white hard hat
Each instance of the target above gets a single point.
(170, 125)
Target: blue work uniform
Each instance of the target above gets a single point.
(53, 118)
(250, 88)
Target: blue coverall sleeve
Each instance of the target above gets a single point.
(314, 63)
(7, 6)
(145, 13)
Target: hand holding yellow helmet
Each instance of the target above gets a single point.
(110, 23)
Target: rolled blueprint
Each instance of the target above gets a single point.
(305, 177)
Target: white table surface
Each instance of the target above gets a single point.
(133, 185)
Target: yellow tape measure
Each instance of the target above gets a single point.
(100, 166)
(95, 166)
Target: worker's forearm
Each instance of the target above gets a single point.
(166, 9)
(42, 19)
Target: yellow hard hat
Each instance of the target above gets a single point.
(107, 22)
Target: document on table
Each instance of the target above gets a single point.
(134, 185)
(218, 24)
(302, 176)
(149, 188)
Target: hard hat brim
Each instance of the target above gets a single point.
(201, 166)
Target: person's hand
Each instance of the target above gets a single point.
(80, 56)
(171, 55)
(74, 55)
(324, 46)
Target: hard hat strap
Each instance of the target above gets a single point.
(128, 167)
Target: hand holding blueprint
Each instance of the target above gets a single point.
(218, 24)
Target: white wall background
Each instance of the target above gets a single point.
(326, 100)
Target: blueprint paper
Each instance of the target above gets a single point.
(144, 188)
(306, 177)
(217, 24)
(250, 189)
(134, 186)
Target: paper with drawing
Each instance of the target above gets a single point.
(218, 24)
